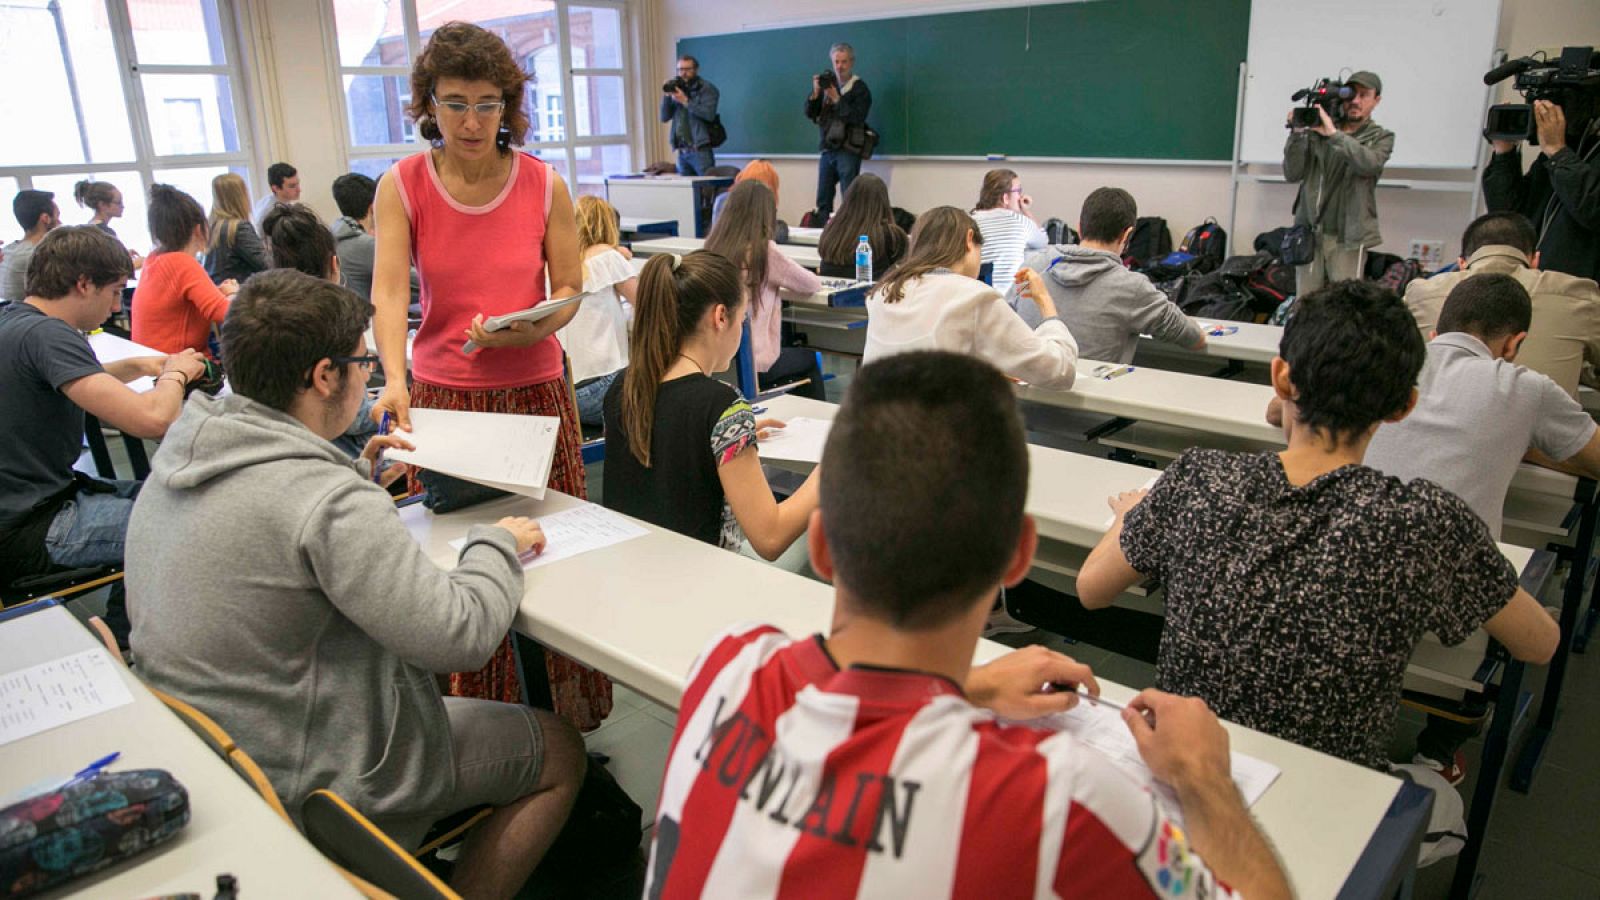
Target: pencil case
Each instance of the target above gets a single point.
(86, 825)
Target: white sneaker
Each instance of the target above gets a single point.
(1002, 622)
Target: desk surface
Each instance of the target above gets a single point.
(230, 829)
(664, 180)
(1249, 343)
(805, 256)
(799, 234)
(641, 611)
(1198, 402)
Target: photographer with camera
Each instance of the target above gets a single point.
(1560, 192)
(1336, 157)
(689, 102)
(839, 103)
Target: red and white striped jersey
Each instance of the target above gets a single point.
(789, 777)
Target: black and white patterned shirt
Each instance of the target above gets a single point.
(1293, 610)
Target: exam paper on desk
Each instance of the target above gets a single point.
(576, 530)
(801, 439)
(510, 452)
(55, 693)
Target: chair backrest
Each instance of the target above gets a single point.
(103, 631)
(348, 838)
(60, 584)
(224, 746)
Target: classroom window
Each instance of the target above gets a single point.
(127, 91)
(574, 55)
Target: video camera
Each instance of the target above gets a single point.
(1328, 93)
(675, 84)
(826, 79)
(1572, 83)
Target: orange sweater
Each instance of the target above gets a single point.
(175, 304)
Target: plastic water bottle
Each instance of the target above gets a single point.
(863, 259)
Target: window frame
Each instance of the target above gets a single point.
(563, 151)
(145, 161)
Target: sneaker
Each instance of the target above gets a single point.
(1002, 622)
(1454, 773)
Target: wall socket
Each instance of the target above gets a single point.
(1429, 251)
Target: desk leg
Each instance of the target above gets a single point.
(137, 459)
(1507, 709)
(1572, 594)
(97, 447)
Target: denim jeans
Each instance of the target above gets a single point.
(92, 529)
(695, 162)
(835, 167)
(592, 399)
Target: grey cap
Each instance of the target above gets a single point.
(1367, 79)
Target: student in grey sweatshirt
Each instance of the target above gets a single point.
(1104, 305)
(272, 585)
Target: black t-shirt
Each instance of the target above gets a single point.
(700, 423)
(1294, 610)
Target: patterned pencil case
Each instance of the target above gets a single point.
(87, 825)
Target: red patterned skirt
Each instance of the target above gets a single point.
(582, 696)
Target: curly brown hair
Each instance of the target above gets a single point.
(466, 51)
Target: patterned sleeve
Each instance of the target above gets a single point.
(1477, 580)
(1146, 526)
(734, 430)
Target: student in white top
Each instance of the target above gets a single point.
(933, 301)
(596, 340)
(1004, 216)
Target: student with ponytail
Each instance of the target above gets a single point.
(681, 448)
(176, 304)
(104, 201)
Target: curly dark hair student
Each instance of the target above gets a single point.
(297, 239)
(72, 252)
(1488, 306)
(173, 216)
(466, 51)
(946, 423)
(1354, 353)
(280, 325)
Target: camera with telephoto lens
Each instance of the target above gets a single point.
(1328, 93)
(826, 79)
(675, 84)
(1572, 83)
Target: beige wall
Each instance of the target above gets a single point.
(1183, 195)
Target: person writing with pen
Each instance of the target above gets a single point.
(486, 225)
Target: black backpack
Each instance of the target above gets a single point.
(1208, 243)
(1150, 242)
(715, 133)
(1224, 293)
(1271, 241)
(1057, 231)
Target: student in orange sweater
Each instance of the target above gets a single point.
(175, 302)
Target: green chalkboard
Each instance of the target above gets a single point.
(1133, 79)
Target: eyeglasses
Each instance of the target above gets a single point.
(486, 110)
(365, 362)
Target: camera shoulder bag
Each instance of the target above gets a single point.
(716, 135)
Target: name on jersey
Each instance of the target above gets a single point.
(852, 809)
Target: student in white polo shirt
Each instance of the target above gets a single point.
(1478, 414)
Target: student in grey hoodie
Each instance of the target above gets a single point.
(272, 585)
(1104, 305)
(353, 237)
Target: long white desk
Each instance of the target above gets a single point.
(1249, 342)
(809, 237)
(641, 611)
(685, 199)
(807, 257)
(230, 829)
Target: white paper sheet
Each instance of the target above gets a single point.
(108, 348)
(142, 384)
(577, 530)
(65, 690)
(1099, 724)
(510, 452)
(800, 440)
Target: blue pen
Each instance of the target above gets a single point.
(93, 769)
(377, 461)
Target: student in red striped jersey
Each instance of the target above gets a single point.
(874, 761)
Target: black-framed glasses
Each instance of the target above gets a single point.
(485, 110)
(365, 362)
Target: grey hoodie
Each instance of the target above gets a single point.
(272, 585)
(1104, 305)
(356, 250)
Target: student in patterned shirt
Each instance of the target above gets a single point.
(682, 451)
(872, 761)
(1299, 582)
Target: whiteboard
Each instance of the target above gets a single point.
(1431, 55)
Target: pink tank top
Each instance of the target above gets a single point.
(478, 259)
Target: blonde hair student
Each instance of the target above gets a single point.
(682, 451)
(933, 300)
(596, 340)
(233, 247)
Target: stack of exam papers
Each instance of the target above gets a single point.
(509, 452)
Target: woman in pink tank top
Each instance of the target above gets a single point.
(484, 224)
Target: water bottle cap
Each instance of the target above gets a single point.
(863, 237)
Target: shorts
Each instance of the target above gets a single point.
(498, 750)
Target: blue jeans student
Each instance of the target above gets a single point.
(835, 167)
(92, 530)
(592, 398)
(695, 162)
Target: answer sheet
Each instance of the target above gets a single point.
(800, 440)
(63, 690)
(1099, 724)
(513, 453)
(577, 530)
